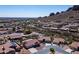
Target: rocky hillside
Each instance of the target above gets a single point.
(70, 15)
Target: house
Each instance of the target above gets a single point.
(67, 49)
(75, 52)
(6, 46)
(74, 45)
(33, 50)
(10, 47)
(31, 43)
(44, 38)
(16, 35)
(58, 40)
(24, 51)
(3, 31)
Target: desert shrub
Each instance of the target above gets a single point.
(57, 13)
(13, 29)
(2, 41)
(27, 31)
(32, 37)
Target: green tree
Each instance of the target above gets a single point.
(13, 29)
(52, 50)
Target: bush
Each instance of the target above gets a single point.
(62, 11)
(2, 41)
(13, 29)
(69, 39)
(51, 14)
(52, 50)
(57, 13)
(27, 31)
(32, 37)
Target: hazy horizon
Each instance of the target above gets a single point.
(30, 10)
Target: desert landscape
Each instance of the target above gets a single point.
(57, 33)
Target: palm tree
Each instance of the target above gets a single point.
(52, 38)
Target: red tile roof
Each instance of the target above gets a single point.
(75, 52)
(30, 42)
(46, 38)
(24, 51)
(6, 46)
(57, 40)
(74, 45)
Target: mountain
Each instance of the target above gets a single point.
(70, 15)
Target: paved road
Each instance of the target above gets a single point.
(46, 50)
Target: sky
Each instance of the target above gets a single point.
(30, 10)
